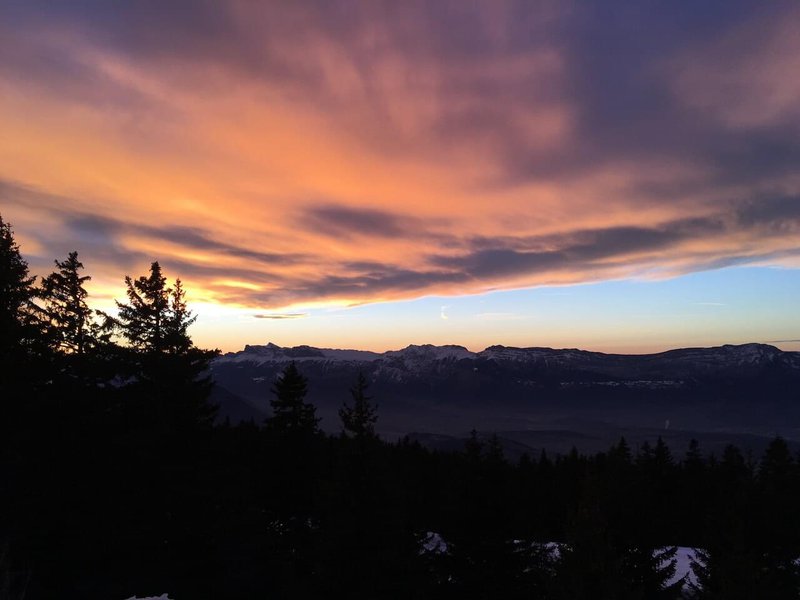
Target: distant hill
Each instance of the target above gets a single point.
(551, 396)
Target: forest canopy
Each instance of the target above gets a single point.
(116, 479)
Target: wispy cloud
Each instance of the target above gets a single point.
(280, 316)
(347, 154)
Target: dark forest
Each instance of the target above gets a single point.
(116, 479)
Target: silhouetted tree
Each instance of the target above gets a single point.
(359, 419)
(495, 458)
(725, 572)
(19, 322)
(726, 567)
(68, 318)
(621, 453)
(596, 563)
(144, 318)
(777, 533)
(178, 320)
(651, 570)
(473, 447)
(694, 475)
(290, 413)
(166, 364)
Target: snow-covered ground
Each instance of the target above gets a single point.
(436, 544)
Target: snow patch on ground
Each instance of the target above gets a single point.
(434, 543)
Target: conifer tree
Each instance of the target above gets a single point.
(596, 564)
(145, 318)
(177, 322)
(484, 559)
(290, 413)
(693, 507)
(621, 453)
(164, 360)
(473, 447)
(662, 457)
(16, 289)
(651, 571)
(188, 364)
(359, 419)
(20, 332)
(726, 567)
(727, 571)
(776, 534)
(68, 319)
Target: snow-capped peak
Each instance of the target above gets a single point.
(274, 353)
(431, 352)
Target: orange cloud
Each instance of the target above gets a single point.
(283, 157)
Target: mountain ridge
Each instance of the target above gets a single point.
(270, 346)
(697, 359)
(725, 391)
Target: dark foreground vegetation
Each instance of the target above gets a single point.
(116, 480)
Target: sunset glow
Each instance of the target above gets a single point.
(337, 173)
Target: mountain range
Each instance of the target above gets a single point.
(537, 398)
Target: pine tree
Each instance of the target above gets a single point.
(727, 565)
(164, 360)
(68, 318)
(657, 475)
(176, 325)
(485, 559)
(621, 453)
(473, 447)
(359, 419)
(776, 534)
(693, 507)
(188, 365)
(596, 564)
(650, 572)
(290, 413)
(20, 333)
(145, 318)
(727, 571)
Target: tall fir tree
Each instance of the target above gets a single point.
(188, 365)
(473, 447)
(778, 524)
(291, 414)
(179, 318)
(597, 564)
(144, 318)
(68, 318)
(166, 364)
(359, 419)
(20, 331)
(726, 566)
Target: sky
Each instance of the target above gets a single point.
(612, 176)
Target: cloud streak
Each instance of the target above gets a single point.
(280, 316)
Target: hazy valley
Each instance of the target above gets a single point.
(538, 398)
